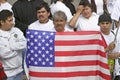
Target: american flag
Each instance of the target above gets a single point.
(66, 56)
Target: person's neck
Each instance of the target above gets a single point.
(3, 29)
(43, 22)
(88, 17)
(62, 30)
(106, 33)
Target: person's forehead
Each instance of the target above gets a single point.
(59, 18)
(42, 9)
(87, 6)
(105, 22)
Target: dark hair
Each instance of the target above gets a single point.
(43, 5)
(85, 3)
(4, 14)
(67, 0)
(105, 18)
(55, 1)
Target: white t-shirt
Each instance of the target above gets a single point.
(88, 24)
(116, 11)
(60, 6)
(42, 26)
(110, 5)
(117, 61)
(6, 6)
(66, 29)
(99, 6)
(109, 38)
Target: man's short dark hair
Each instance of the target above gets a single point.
(4, 14)
(43, 5)
(104, 18)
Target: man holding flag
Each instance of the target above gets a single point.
(66, 56)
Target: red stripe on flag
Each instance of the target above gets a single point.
(73, 42)
(79, 32)
(81, 63)
(69, 74)
(80, 53)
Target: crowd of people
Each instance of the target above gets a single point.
(60, 16)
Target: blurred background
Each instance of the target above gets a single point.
(76, 2)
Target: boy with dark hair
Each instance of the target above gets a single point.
(12, 43)
(105, 22)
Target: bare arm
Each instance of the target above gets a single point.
(110, 47)
(113, 55)
(76, 16)
(116, 23)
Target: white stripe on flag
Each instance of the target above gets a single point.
(77, 37)
(71, 78)
(80, 47)
(80, 58)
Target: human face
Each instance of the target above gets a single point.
(43, 15)
(7, 24)
(59, 24)
(105, 27)
(87, 12)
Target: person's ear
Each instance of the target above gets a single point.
(2, 22)
(48, 13)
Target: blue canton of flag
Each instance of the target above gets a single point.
(40, 49)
